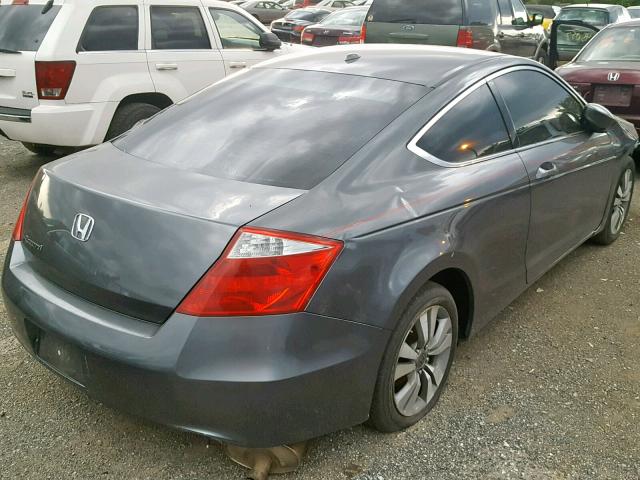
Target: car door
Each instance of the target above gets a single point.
(528, 35)
(181, 54)
(239, 38)
(570, 169)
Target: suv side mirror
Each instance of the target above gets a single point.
(597, 118)
(536, 19)
(269, 41)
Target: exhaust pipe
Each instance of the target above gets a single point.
(264, 461)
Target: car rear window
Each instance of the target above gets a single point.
(435, 12)
(23, 27)
(614, 44)
(305, 15)
(595, 17)
(287, 128)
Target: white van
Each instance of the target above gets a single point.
(74, 73)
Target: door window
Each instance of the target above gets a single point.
(553, 113)
(505, 12)
(235, 30)
(472, 129)
(519, 13)
(110, 28)
(178, 28)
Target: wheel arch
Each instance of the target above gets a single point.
(457, 280)
(159, 100)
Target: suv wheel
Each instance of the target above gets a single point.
(127, 116)
(416, 364)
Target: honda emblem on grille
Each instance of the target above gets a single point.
(82, 227)
(613, 76)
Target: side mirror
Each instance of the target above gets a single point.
(597, 118)
(269, 41)
(536, 19)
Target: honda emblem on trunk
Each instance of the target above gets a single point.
(82, 227)
(613, 76)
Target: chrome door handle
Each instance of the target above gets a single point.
(166, 66)
(237, 64)
(546, 170)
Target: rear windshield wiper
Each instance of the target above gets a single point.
(48, 6)
(7, 50)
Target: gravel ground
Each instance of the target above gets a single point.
(549, 390)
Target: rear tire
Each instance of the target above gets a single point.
(39, 149)
(127, 116)
(428, 327)
(618, 211)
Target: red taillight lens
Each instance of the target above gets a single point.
(307, 37)
(298, 28)
(53, 79)
(16, 236)
(465, 38)
(20, 2)
(363, 33)
(346, 40)
(262, 272)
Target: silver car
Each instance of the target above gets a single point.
(265, 12)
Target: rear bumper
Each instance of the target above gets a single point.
(66, 125)
(250, 381)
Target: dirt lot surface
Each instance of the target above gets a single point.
(549, 390)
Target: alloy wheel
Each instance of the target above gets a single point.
(621, 202)
(422, 360)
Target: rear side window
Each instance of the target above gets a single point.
(555, 113)
(506, 13)
(23, 27)
(481, 12)
(178, 28)
(111, 28)
(275, 138)
(472, 129)
(435, 12)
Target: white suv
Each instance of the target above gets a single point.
(74, 73)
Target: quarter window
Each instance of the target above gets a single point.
(555, 112)
(110, 28)
(178, 28)
(472, 129)
(235, 30)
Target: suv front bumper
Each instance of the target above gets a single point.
(250, 381)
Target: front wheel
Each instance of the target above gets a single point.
(416, 364)
(619, 211)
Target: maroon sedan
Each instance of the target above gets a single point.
(607, 70)
(342, 27)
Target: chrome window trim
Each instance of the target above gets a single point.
(412, 146)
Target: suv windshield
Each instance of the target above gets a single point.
(22, 27)
(622, 43)
(434, 12)
(274, 139)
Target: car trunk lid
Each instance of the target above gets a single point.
(155, 229)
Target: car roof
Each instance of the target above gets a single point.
(598, 6)
(421, 65)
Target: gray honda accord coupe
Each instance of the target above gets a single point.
(299, 248)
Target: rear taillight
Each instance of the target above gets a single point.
(307, 37)
(348, 39)
(298, 28)
(262, 272)
(53, 79)
(16, 236)
(465, 38)
(20, 2)
(363, 33)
